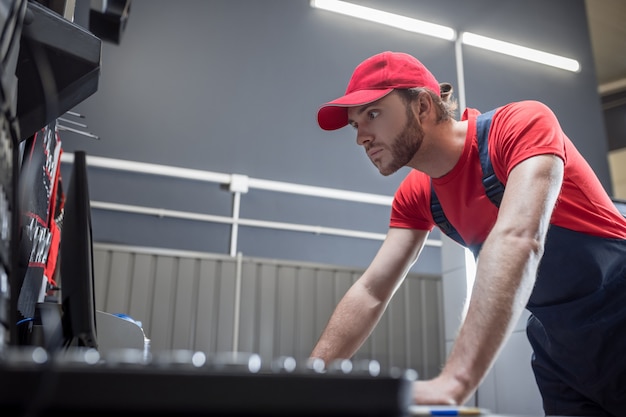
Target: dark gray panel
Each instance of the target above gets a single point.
(154, 231)
(293, 208)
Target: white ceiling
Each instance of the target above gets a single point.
(607, 26)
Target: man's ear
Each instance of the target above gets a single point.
(423, 105)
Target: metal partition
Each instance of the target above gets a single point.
(217, 303)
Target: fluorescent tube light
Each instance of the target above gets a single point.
(447, 33)
(520, 51)
(385, 18)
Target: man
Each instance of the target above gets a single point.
(554, 243)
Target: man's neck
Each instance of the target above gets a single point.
(442, 147)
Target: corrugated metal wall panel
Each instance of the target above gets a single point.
(200, 302)
(306, 330)
(207, 301)
(141, 288)
(286, 314)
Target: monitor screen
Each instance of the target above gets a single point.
(76, 262)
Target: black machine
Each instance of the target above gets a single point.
(58, 67)
(76, 259)
(11, 17)
(49, 65)
(181, 385)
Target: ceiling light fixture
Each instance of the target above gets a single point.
(447, 33)
(518, 51)
(385, 18)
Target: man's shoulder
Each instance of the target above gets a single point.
(410, 207)
(525, 107)
(414, 177)
(521, 114)
(413, 185)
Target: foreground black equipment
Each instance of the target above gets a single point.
(182, 383)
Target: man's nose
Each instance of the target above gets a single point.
(363, 138)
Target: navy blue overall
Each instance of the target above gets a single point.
(577, 328)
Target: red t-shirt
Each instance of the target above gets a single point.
(518, 131)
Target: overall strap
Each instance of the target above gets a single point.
(440, 218)
(493, 187)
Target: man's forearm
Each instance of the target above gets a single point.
(506, 273)
(349, 326)
(505, 278)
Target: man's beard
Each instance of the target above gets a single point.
(405, 145)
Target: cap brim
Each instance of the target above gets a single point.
(334, 114)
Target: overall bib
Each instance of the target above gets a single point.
(577, 328)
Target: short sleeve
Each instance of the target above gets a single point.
(410, 208)
(522, 130)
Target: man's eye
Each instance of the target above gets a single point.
(372, 114)
(354, 125)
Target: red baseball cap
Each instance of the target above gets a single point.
(373, 79)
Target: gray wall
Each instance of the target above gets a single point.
(233, 86)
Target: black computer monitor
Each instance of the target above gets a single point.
(76, 262)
